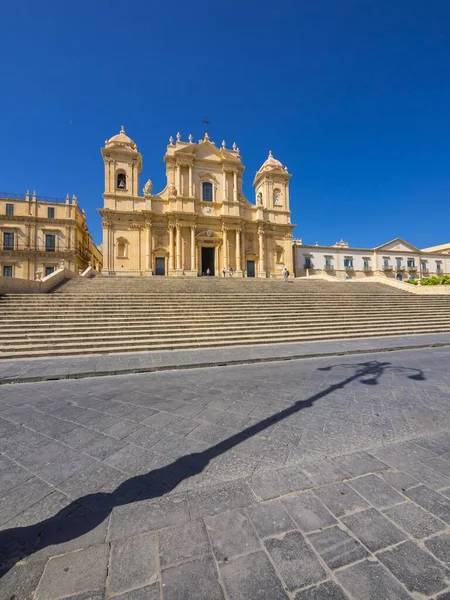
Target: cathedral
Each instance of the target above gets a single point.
(200, 223)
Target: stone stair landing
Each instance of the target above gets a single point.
(109, 315)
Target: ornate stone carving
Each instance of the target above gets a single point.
(148, 187)
(259, 198)
(172, 190)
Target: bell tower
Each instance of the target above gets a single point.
(123, 165)
(271, 185)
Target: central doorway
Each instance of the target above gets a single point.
(207, 260)
(250, 268)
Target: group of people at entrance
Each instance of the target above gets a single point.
(284, 272)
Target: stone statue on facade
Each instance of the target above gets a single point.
(259, 198)
(148, 187)
(172, 190)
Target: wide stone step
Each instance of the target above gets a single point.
(99, 340)
(142, 347)
(83, 327)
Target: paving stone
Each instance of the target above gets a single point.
(308, 511)
(270, 518)
(147, 515)
(325, 591)
(73, 573)
(12, 476)
(88, 480)
(21, 581)
(64, 466)
(399, 480)
(69, 533)
(359, 463)
(294, 560)
(102, 446)
(159, 420)
(336, 547)
(324, 471)
(218, 498)
(404, 453)
(439, 444)
(416, 569)
(376, 491)
(414, 520)
(340, 499)
(231, 533)
(425, 473)
(181, 426)
(444, 596)
(440, 464)
(128, 459)
(21, 497)
(39, 511)
(183, 542)
(149, 592)
(440, 547)
(369, 580)
(42, 456)
(273, 484)
(78, 437)
(133, 563)
(121, 429)
(373, 529)
(251, 576)
(432, 501)
(139, 413)
(195, 580)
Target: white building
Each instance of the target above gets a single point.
(396, 259)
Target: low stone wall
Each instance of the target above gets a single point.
(89, 272)
(426, 290)
(13, 285)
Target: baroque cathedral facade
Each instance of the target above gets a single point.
(200, 223)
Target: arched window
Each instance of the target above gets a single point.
(207, 191)
(122, 248)
(276, 196)
(121, 182)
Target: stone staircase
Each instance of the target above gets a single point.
(106, 315)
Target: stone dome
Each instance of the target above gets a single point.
(271, 163)
(121, 140)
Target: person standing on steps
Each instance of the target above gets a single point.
(231, 271)
(224, 271)
(208, 272)
(285, 274)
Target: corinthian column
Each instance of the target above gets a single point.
(238, 251)
(149, 246)
(171, 262)
(193, 254)
(178, 247)
(225, 247)
(261, 253)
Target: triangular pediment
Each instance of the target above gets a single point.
(208, 151)
(398, 244)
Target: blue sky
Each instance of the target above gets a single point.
(354, 96)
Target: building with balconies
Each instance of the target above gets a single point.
(39, 234)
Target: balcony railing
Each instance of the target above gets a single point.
(412, 268)
(425, 270)
(349, 267)
(387, 267)
(43, 248)
(15, 196)
(401, 268)
(367, 268)
(329, 268)
(308, 266)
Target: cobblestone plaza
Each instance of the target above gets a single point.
(315, 479)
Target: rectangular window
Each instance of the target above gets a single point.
(438, 267)
(7, 271)
(348, 263)
(411, 263)
(9, 210)
(328, 260)
(366, 263)
(50, 212)
(308, 262)
(399, 263)
(8, 241)
(50, 243)
(386, 262)
(49, 270)
(423, 266)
